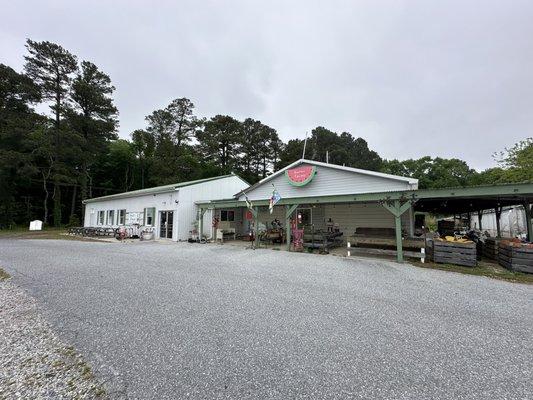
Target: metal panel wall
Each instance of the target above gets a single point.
(180, 201)
(211, 190)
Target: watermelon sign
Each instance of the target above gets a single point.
(300, 176)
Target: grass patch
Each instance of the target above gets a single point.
(4, 275)
(47, 233)
(484, 268)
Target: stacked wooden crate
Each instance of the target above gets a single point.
(459, 253)
(516, 256)
(490, 248)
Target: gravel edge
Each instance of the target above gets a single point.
(34, 362)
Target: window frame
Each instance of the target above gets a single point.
(110, 215)
(227, 215)
(101, 217)
(146, 216)
(121, 216)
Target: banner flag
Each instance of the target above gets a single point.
(274, 200)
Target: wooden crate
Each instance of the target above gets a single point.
(515, 257)
(490, 248)
(454, 253)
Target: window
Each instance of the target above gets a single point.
(149, 216)
(110, 217)
(304, 216)
(227, 215)
(121, 217)
(101, 216)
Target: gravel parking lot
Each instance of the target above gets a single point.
(34, 363)
(169, 321)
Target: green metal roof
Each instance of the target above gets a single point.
(159, 189)
(518, 191)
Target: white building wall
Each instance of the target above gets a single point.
(161, 201)
(328, 181)
(212, 190)
(180, 201)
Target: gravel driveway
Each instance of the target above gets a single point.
(169, 321)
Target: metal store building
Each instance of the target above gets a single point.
(169, 209)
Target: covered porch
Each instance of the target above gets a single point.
(385, 212)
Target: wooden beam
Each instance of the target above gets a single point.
(289, 209)
(529, 224)
(397, 210)
(498, 213)
(201, 223)
(256, 227)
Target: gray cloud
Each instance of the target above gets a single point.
(413, 78)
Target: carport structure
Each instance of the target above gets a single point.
(438, 201)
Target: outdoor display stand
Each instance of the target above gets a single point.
(459, 253)
(297, 239)
(516, 256)
(322, 240)
(490, 248)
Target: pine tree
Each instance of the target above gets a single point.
(51, 67)
(93, 116)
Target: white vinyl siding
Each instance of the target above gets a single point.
(372, 215)
(328, 182)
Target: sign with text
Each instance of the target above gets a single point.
(300, 176)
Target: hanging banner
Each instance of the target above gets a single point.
(274, 199)
(300, 176)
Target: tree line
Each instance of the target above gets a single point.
(51, 161)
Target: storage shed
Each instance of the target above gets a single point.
(170, 210)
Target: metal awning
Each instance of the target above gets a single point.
(452, 199)
(439, 201)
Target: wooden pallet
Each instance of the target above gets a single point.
(490, 248)
(515, 258)
(454, 253)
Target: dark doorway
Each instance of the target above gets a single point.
(166, 220)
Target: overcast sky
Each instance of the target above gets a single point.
(413, 78)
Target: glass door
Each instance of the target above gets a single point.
(166, 221)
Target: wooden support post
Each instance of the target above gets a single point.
(289, 209)
(399, 246)
(201, 223)
(480, 219)
(397, 210)
(498, 213)
(256, 226)
(529, 223)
